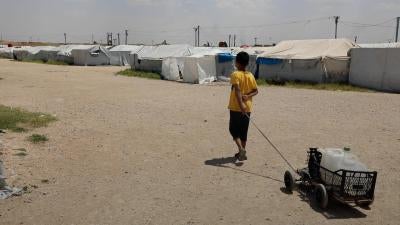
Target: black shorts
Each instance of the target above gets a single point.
(239, 125)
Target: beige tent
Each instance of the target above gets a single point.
(319, 61)
(376, 68)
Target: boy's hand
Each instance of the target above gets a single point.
(245, 98)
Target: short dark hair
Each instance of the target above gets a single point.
(243, 58)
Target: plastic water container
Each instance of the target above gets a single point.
(335, 159)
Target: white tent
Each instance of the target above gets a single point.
(120, 54)
(319, 61)
(6, 52)
(376, 68)
(64, 53)
(149, 58)
(199, 67)
(43, 53)
(90, 55)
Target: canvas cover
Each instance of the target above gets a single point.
(376, 68)
(317, 61)
(163, 51)
(310, 49)
(120, 54)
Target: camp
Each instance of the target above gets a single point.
(317, 61)
(376, 68)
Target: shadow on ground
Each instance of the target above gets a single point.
(233, 164)
(335, 209)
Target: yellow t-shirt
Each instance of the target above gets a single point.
(247, 83)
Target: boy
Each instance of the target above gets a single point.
(244, 88)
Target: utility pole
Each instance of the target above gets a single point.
(109, 39)
(92, 39)
(355, 39)
(195, 36)
(234, 40)
(397, 29)
(126, 37)
(65, 38)
(119, 40)
(230, 36)
(336, 25)
(255, 41)
(198, 36)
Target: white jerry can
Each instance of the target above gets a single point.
(335, 159)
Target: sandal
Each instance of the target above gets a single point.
(241, 156)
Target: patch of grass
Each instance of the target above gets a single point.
(17, 120)
(59, 63)
(135, 73)
(314, 86)
(18, 129)
(37, 138)
(20, 149)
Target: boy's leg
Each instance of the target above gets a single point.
(244, 127)
(239, 144)
(244, 143)
(234, 128)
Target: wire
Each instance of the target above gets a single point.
(270, 24)
(272, 144)
(356, 24)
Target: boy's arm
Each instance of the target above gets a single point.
(250, 95)
(254, 91)
(239, 97)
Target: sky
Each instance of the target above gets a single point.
(152, 21)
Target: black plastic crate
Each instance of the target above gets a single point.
(343, 184)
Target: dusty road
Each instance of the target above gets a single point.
(135, 151)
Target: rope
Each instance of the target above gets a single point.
(272, 144)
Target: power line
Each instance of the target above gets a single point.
(270, 24)
(357, 24)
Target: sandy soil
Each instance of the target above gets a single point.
(137, 151)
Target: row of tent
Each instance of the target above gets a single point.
(319, 61)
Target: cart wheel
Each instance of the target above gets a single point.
(289, 181)
(321, 196)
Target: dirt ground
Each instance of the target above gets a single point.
(137, 151)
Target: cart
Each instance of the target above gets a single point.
(343, 185)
